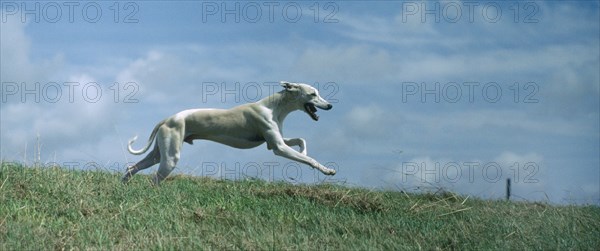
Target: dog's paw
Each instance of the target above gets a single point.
(329, 172)
(125, 179)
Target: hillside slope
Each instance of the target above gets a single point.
(53, 208)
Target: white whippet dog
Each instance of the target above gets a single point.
(245, 126)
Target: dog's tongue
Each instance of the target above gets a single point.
(313, 113)
(311, 110)
(314, 116)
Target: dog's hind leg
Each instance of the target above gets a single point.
(151, 159)
(170, 148)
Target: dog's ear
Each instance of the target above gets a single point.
(289, 86)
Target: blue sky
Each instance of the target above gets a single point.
(488, 91)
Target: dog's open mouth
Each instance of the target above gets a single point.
(311, 110)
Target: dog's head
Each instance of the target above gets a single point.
(308, 97)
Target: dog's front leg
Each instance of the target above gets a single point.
(300, 142)
(280, 148)
(287, 152)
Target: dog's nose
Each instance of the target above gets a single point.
(329, 106)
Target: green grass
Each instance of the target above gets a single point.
(54, 208)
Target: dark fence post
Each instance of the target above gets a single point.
(508, 189)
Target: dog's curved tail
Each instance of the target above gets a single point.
(150, 140)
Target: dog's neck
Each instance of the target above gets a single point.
(282, 103)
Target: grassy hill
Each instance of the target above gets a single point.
(53, 208)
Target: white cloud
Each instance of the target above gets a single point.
(519, 121)
(510, 158)
(58, 123)
(364, 129)
(71, 119)
(559, 46)
(348, 64)
(366, 121)
(409, 32)
(178, 73)
(17, 65)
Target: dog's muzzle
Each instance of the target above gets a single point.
(311, 109)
